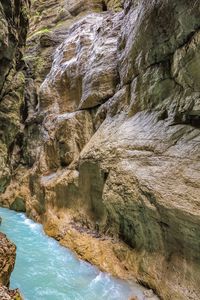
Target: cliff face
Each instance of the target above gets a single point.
(110, 147)
(13, 27)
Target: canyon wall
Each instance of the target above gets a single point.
(13, 30)
(108, 154)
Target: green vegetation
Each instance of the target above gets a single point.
(41, 31)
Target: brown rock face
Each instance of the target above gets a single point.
(6, 294)
(7, 259)
(13, 28)
(7, 262)
(110, 159)
(81, 76)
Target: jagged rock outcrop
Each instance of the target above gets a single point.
(7, 262)
(13, 28)
(110, 161)
(7, 259)
(6, 294)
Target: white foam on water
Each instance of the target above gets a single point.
(30, 223)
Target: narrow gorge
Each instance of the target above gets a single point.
(100, 134)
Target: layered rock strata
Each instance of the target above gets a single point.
(110, 157)
(13, 28)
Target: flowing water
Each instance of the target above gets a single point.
(44, 270)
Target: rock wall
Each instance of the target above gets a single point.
(7, 259)
(110, 146)
(13, 28)
(7, 262)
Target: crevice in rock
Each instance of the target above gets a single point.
(193, 119)
(104, 6)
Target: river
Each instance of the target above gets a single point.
(44, 270)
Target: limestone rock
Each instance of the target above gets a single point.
(14, 25)
(7, 262)
(18, 204)
(7, 259)
(84, 71)
(111, 136)
(66, 138)
(6, 294)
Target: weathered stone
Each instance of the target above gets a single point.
(67, 135)
(6, 294)
(7, 259)
(13, 29)
(84, 71)
(7, 262)
(112, 140)
(18, 204)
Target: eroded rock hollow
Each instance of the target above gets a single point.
(100, 135)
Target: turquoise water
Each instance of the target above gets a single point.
(44, 270)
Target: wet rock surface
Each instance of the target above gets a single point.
(110, 147)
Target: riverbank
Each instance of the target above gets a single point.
(44, 270)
